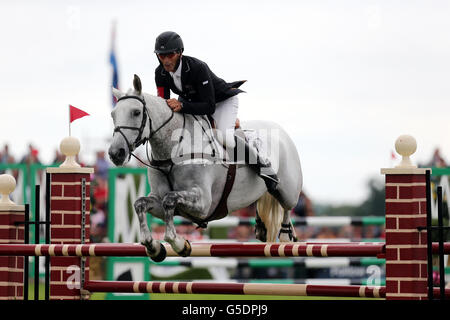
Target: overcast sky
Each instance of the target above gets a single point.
(344, 78)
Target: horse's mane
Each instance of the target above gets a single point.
(154, 99)
(150, 98)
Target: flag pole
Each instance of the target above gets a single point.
(70, 131)
(74, 114)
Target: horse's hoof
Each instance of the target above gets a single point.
(261, 236)
(186, 252)
(161, 255)
(148, 247)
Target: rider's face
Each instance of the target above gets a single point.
(169, 60)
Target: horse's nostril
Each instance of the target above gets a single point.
(117, 157)
(111, 154)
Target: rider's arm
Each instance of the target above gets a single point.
(205, 89)
(162, 88)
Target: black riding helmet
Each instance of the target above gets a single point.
(167, 42)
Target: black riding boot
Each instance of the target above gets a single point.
(261, 166)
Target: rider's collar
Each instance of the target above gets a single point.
(178, 71)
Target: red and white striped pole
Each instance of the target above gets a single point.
(11, 267)
(406, 247)
(69, 199)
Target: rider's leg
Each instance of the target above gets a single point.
(258, 163)
(225, 118)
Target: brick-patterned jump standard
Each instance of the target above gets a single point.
(406, 210)
(66, 207)
(11, 267)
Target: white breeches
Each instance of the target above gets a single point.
(225, 118)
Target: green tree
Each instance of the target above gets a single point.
(374, 205)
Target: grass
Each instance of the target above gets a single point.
(95, 296)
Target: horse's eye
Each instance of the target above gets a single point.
(136, 113)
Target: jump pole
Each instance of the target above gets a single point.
(244, 249)
(242, 288)
(203, 250)
(236, 288)
(249, 249)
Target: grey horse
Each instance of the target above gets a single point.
(192, 188)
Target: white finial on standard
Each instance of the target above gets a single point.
(70, 146)
(406, 145)
(7, 186)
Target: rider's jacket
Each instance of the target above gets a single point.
(201, 88)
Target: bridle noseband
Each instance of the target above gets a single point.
(139, 139)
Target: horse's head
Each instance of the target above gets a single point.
(131, 123)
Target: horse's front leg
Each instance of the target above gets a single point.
(143, 205)
(192, 201)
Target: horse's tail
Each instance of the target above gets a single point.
(271, 213)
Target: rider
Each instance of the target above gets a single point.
(201, 92)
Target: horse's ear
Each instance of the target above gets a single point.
(137, 84)
(117, 93)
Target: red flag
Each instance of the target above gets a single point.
(76, 113)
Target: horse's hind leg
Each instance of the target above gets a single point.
(142, 205)
(260, 228)
(287, 231)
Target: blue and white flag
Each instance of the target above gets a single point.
(113, 61)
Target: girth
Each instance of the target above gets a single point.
(221, 210)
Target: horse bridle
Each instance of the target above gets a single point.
(139, 139)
